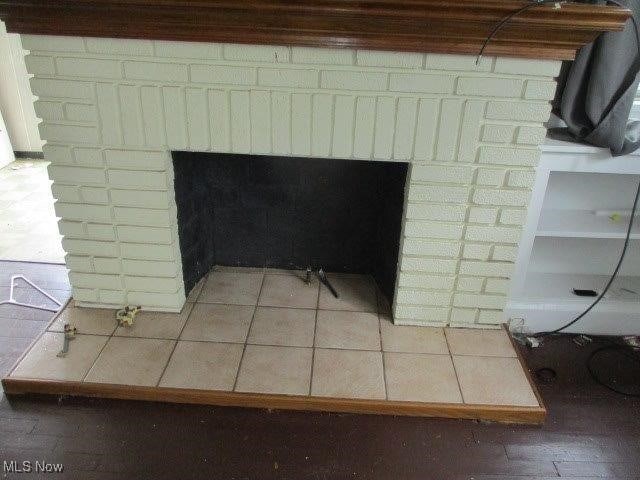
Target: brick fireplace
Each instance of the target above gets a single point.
(114, 110)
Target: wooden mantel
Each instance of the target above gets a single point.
(445, 26)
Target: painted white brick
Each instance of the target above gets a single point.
(173, 301)
(213, 74)
(209, 51)
(145, 268)
(88, 67)
(521, 178)
(89, 247)
(521, 66)
(39, 65)
(483, 215)
(492, 234)
(84, 294)
(472, 251)
(78, 264)
(486, 269)
(168, 72)
(451, 110)
(111, 297)
(516, 198)
(497, 285)
(57, 154)
(405, 128)
(489, 87)
(498, 133)
(432, 316)
(385, 128)
(260, 111)
(88, 157)
(107, 265)
(427, 123)
(425, 281)
(415, 82)
(47, 87)
(50, 43)
(140, 198)
(71, 229)
(328, 56)
(441, 174)
(504, 253)
(66, 193)
(144, 251)
(74, 211)
(469, 284)
(350, 80)
(463, 316)
(275, 77)
(470, 130)
(422, 297)
(138, 234)
(490, 177)
(438, 61)
(430, 248)
(256, 53)
(539, 90)
(509, 156)
(143, 217)
(519, 111)
(528, 135)
(79, 175)
(479, 301)
(114, 46)
(126, 178)
(81, 113)
(416, 228)
(364, 128)
(94, 195)
(343, 124)
(137, 160)
(50, 111)
(492, 317)
(430, 211)
(438, 193)
(151, 284)
(301, 114)
(97, 231)
(428, 265)
(370, 58)
(513, 217)
(68, 133)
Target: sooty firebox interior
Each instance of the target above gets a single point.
(286, 212)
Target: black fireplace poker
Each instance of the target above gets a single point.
(323, 278)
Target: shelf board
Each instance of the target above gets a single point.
(583, 224)
(554, 290)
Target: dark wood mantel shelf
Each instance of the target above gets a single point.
(445, 26)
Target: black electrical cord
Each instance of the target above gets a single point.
(506, 19)
(624, 350)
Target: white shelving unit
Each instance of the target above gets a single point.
(575, 230)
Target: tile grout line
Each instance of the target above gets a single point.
(455, 370)
(246, 338)
(177, 339)
(84, 377)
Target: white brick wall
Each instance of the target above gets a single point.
(113, 110)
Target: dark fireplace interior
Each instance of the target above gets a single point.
(285, 212)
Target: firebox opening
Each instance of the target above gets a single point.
(287, 212)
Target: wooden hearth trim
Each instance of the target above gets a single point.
(443, 26)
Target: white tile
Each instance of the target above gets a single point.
(156, 324)
(90, 321)
(355, 293)
(218, 323)
(347, 330)
(203, 365)
(409, 339)
(491, 343)
(42, 360)
(131, 361)
(347, 374)
(292, 327)
(235, 288)
(288, 291)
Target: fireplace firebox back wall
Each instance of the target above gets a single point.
(291, 213)
(113, 110)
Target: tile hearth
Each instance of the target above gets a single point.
(267, 332)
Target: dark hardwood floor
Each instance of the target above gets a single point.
(590, 431)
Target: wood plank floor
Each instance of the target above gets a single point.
(590, 432)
